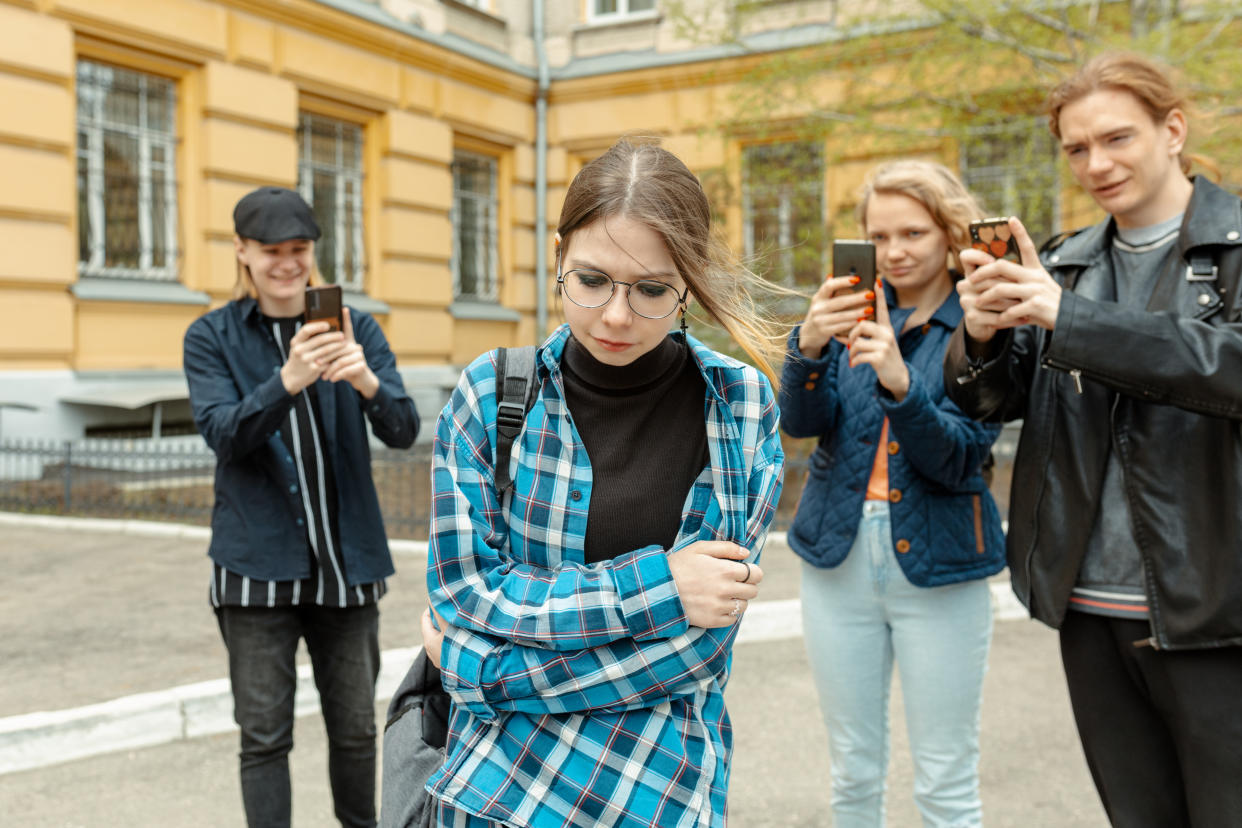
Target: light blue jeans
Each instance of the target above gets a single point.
(857, 619)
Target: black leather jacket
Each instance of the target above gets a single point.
(1165, 385)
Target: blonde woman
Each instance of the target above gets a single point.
(896, 527)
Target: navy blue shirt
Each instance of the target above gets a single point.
(232, 363)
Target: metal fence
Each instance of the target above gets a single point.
(171, 479)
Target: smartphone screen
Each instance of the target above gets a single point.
(855, 258)
(993, 235)
(324, 303)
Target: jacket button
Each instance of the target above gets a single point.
(809, 386)
(1055, 258)
(575, 495)
(813, 375)
(1232, 235)
(903, 546)
(1205, 299)
(893, 447)
(926, 329)
(894, 495)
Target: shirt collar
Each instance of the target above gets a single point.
(948, 315)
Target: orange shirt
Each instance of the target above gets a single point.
(877, 486)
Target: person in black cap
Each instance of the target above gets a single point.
(298, 546)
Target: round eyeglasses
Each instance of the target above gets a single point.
(648, 298)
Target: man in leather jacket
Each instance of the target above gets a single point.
(1121, 349)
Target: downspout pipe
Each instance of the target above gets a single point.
(541, 173)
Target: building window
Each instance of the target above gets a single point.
(1012, 169)
(783, 210)
(474, 227)
(127, 182)
(605, 10)
(330, 179)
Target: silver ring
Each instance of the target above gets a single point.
(737, 607)
(746, 580)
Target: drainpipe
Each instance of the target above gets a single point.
(541, 175)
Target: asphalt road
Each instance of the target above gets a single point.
(87, 617)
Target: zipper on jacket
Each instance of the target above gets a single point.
(1075, 373)
(1148, 642)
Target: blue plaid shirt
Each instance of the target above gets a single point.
(581, 694)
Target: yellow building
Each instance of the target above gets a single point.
(434, 139)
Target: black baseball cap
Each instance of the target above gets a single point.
(271, 215)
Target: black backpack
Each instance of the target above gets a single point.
(417, 727)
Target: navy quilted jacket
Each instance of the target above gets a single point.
(945, 525)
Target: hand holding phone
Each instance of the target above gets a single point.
(994, 236)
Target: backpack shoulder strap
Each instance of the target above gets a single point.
(515, 394)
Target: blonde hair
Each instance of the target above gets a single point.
(934, 186)
(647, 183)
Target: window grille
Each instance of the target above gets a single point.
(127, 182)
(474, 227)
(330, 179)
(1012, 169)
(783, 210)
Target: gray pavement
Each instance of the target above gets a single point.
(89, 615)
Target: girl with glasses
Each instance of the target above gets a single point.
(585, 625)
(896, 526)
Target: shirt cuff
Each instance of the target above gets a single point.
(462, 656)
(650, 604)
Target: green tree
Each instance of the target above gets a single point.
(963, 80)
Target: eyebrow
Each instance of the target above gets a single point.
(583, 264)
(1115, 131)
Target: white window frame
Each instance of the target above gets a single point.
(347, 176)
(91, 151)
(486, 206)
(786, 240)
(623, 12)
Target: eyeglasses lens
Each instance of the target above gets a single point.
(647, 297)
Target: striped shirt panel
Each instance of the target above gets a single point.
(582, 697)
(327, 585)
(1113, 601)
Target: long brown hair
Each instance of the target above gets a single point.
(934, 186)
(1150, 83)
(647, 183)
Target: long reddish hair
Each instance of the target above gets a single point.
(1150, 83)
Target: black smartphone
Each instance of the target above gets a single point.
(323, 303)
(992, 235)
(855, 258)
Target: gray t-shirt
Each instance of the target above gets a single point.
(1111, 580)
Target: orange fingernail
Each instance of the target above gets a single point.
(855, 280)
(868, 311)
(871, 294)
(862, 318)
(879, 283)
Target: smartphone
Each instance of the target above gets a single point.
(323, 303)
(855, 258)
(993, 235)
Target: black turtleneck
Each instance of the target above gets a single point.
(643, 426)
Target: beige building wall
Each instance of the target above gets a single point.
(244, 72)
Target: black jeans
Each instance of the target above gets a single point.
(1161, 730)
(344, 652)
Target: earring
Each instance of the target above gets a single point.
(683, 322)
